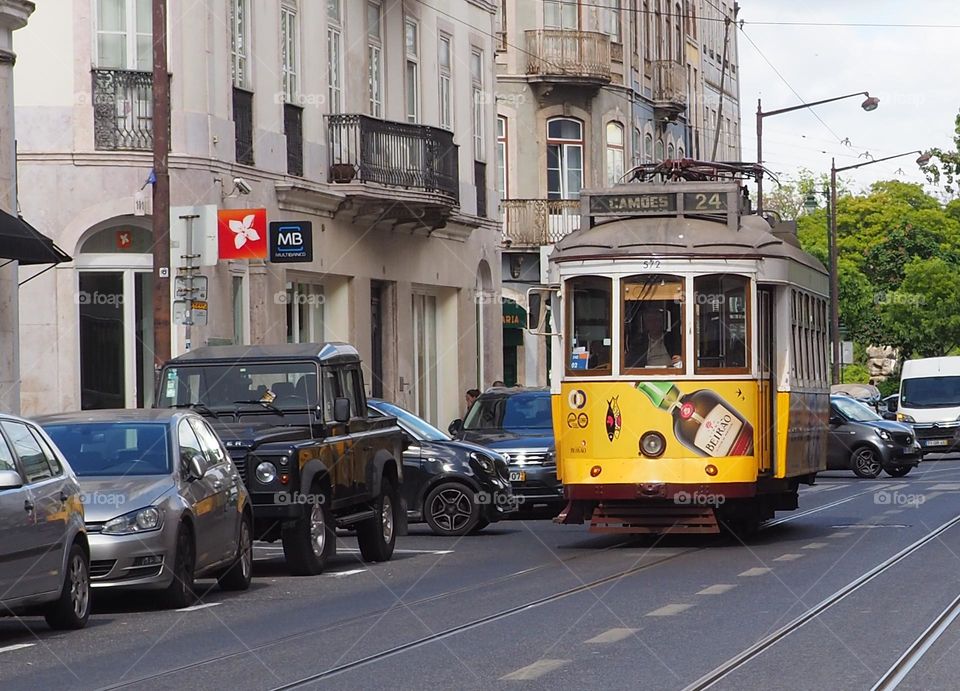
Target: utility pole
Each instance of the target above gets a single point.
(161, 187)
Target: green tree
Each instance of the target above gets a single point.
(922, 315)
(944, 167)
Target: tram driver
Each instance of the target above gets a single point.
(649, 344)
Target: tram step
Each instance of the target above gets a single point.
(653, 519)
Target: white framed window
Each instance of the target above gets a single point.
(564, 158)
(305, 303)
(240, 43)
(637, 146)
(334, 56)
(411, 35)
(290, 50)
(445, 74)
(614, 153)
(659, 153)
(561, 14)
(375, 57)
(670, 151)
(502, 153)
(124, 35)
(479, 99)
(648, 148)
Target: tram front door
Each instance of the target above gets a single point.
(766, 415)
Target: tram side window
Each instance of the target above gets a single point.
(590, 339)
(652, 322)
(721, 309)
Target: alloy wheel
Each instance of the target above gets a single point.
(387, 518)
(451, 509)
(79, 586)
(318, 530)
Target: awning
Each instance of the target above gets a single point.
(24, 243)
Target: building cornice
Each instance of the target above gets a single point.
(308, 199)
(15, 13)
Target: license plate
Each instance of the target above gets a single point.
(937, 442)
(517, 476)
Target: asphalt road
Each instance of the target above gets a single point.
(859, 585)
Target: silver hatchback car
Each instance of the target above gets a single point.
(44, 556)
(164, 503)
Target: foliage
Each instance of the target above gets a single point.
(944, 168)
(889, 386)
(855, 374)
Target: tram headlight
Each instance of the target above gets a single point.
(652, 444)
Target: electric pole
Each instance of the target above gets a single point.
(161, 187)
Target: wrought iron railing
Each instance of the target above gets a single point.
(122, 110)
(669, 83)
(243, 125)
(293, 128)
(568, 53)
(539, 221)
(397, 154)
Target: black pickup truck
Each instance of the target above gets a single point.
(294, 419)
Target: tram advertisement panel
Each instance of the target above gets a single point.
(659, 419)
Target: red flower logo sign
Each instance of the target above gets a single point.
(242, 233)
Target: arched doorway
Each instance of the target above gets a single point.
(484, 295)
(115, 317)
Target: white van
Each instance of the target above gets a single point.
(930, 401)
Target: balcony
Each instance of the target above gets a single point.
(573, 57)
(669, 88)
(394, 172)
(535, 222)
(122, 110)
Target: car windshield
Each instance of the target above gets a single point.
(930, 392)
(854, 410)
(420, 429)
(113, 448)
(283, 385)
(524, 411)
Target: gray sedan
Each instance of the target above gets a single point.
(164, 503)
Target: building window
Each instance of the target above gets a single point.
(564, 158)
(648, 148)
(561, 14)
(646, 31)
(501, 36)
(614, 153)
(305, 313)
(240, 42)
(659, 152)
(412, 43)
(680, 152)
(614, 27)
(445, 63)
(375, 58)
(289, 49)
(479, 99)
(239, 311)
(502, 157)
(670, 151)
(334, 57)
(243, 125)
(679, 28)
(124, 35)
(636, 147)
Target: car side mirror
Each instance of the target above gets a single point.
(456, 427)
(10, 479)
(836, 420)
(196, 467)
(341, 410)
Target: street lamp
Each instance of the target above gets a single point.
(922, 160)
(870, 103)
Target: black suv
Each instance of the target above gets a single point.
(518, 424)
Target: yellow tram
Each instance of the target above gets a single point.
(690, 361)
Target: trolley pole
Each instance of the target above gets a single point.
(834, 276)
(161, 188)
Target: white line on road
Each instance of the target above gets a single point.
(534, 671)
(669, 610)
(893, 511)
(403, 551)
(612, 636)
(755, 571)
(341, 574)
(787, 557)
(203, 606)
(718, 589)
(17, 646)
(947, 487)
(842, 533)
(815, 545)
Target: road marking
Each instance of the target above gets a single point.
(755, 571)
(669, 610)
(353, 550)
(718, 589)
(842, 533)
(534, 671)
(612, 636)
(17, 646)
(893, 511)
(815, 545)
(947, 487)
(787, 557)
(341, 574)
(203, 606)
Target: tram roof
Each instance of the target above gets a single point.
(680, 237)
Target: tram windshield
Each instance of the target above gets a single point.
(652, 322)
(591, 337)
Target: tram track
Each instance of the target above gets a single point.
(473, 624)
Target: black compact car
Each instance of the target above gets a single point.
(518, 424)
(454, 486)
(862, 441)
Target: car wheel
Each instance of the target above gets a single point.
(239, 574)
(865, 463)
(378, 535)
(312, 540)
(180, 593)
(451, 509)
(899, 472)
(72, 608)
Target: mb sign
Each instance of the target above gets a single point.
(291, 241)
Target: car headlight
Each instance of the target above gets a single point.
(139, 521)
(904, 418)
(266, 473)
(883, 434)
(485, 463)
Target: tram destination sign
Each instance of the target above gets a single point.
(658, 204)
